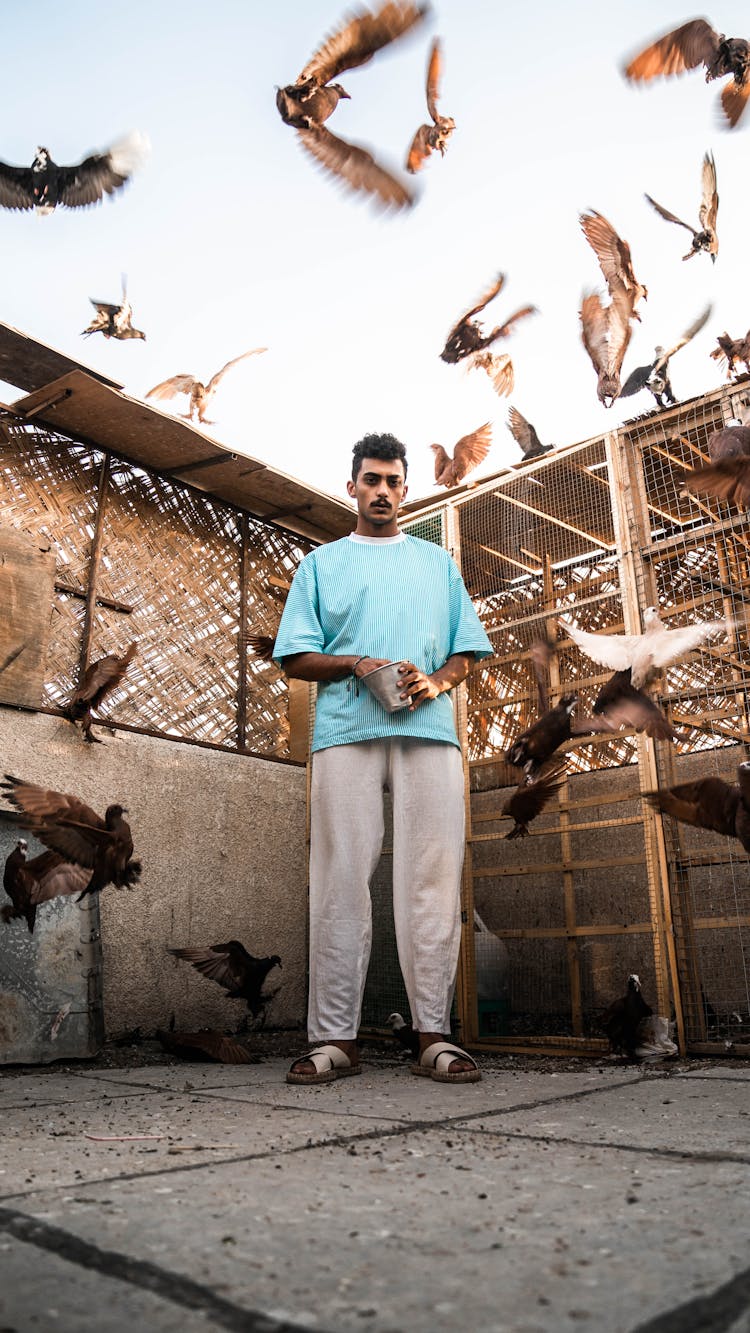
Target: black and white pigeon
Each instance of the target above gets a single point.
(404, 1033)
(46, 185)
(114, 321)
(655, 375)
(704, 236)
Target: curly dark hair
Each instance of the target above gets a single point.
(384, 447)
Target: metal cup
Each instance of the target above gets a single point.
(385, 685)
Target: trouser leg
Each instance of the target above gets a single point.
(346, 837)
(427, 785)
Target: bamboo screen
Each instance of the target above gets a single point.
(144, 558)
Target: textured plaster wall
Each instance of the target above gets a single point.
(222, 841)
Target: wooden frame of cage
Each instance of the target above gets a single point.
(673, 923)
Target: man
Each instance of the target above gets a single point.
(381, 596)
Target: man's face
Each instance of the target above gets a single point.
(379, 489)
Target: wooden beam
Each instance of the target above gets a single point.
(558, 522)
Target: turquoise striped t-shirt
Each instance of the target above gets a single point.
(397, 599)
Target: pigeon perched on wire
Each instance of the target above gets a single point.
(68, 826)
(237, 971)
(727, 476)
(644, 654)
(29, 883)
(46, 185)
(655, 375)
(526, 437)
(431, 138)
(466, 341)
(530, 798)
(200, 394)
(100, 679)
(615, 259)
(468, 453)
(731, 351)
(114, 321)
(308, 102)
(697, 43)
(710, 803)
(704, 239)
(623, 1019)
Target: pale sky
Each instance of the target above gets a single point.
(231, 238)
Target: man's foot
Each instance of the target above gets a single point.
(325, 1070)
(438, 1065)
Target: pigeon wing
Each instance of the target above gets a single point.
(434, 74)
(355, 166)
(530, 798)
(733, 100)
(102, 676)
(359, 39)
(262, 645)
(702, 803)
(726, 479)
(470, 451)
(213, 382)
(612, 252)
(611, 650)
(594, 330)
(420, 149)
(672, 644)
(102, 173)
(214, 962)
(507, 328)
(488, 296)
(16, 187)
(171, 387)
(523, 432)
(669, 217)
(709, 205)
(683, 48)
(443, 466)
(56, 878)
(685, 338)
(43, 804)
(637, 380)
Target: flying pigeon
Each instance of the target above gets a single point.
(308, 103)
(645, 654)
(68, 826)
(710, 803)
(431, 138)
(697, 43)
(262, 645)
(704, 239)
(466, 336)
(231, 966)
(100, 679)
(525, 435)
(731, 351)
(29, 883)
(605, 332)
(530, 798)
(404, 1033)
(114, 321)
(614, 257)
(727, 476)
(206, 1045)
(624, 706)
(45, 185)
(622, 1020)
(200, 394)
(531, 750)
(468, 453)
(655, 375)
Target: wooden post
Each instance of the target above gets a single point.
(242, 645)
(93, 571)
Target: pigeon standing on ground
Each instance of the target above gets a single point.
(644, 654)
(526, 437)
(706, 238)
(655, 375)
(67, 825)
(236, 970)
(308, 103)
(622, 1020)
(114, 321)
(732, 351)
(100, 679)
(200, 394)
(727, 476)
(404, 1034)
(45, 185)
(697, 43)
(466, 340)
(431, 138)
(710, 803)
(468, 453)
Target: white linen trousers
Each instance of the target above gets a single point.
(426, 782)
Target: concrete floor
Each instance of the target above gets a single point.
(581, 1195)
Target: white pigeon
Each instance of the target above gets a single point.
(644, 654)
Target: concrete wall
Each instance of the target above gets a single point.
(222, 841)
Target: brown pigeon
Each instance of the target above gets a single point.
(308, 103)
(114, 321)
(100, 679)
(431, 138)
(615, 259)
(622, 705)
(29, 883)
(731, 351)
(622, 1020)
(468, 453)
(466, 336)
(530, 798)
(206, 1045)
(697, 43)
(704, 239)
(727, 476)
(200, 394)
(67, 825)
(605, 332)
(231, 966)
(710, 803)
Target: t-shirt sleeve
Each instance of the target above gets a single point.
(300, 630)
(467, 632)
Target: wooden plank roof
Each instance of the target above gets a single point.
(100, 414)
(29, 364)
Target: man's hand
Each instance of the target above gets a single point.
(369, 664)
(416, 685)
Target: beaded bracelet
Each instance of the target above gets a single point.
(363, 658)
